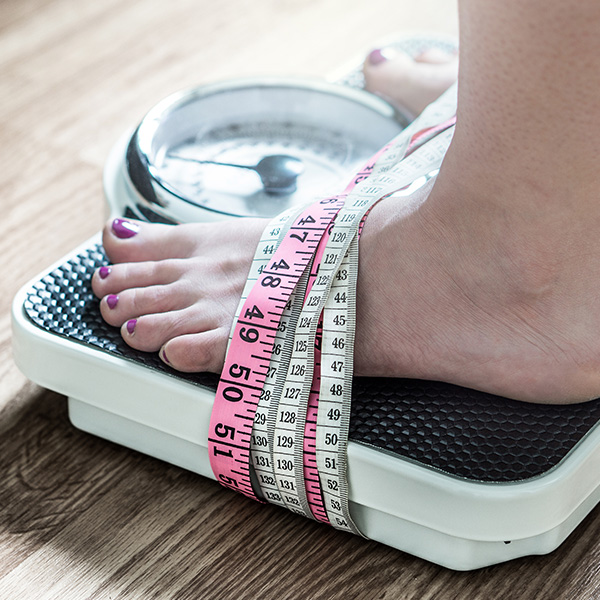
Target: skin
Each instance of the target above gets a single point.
(411, 84)
(486, 279)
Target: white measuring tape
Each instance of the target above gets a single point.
(282, 408)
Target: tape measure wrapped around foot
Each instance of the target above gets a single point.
(279, 426)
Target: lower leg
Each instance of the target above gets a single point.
(517, 197)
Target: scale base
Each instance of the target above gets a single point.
(447, 550)
(407, 501)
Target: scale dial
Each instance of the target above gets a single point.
(331, 129)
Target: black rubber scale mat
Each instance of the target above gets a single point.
(461, 432)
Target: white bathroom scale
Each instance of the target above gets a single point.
(458, 477)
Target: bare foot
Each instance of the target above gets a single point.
(410, 83)
(176, 288)
(441, 296)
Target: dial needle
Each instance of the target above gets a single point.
(278, 172)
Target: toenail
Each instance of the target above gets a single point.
(379, 55)
(104, 272)
(112, 300)
(164, 356)
(124, 229)
(131, 326)
(376, 57)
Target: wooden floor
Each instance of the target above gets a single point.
(83, 518)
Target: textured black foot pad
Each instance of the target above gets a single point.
(461, 432)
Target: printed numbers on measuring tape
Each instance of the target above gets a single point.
(260, 449)
(335, 397)
(333, 418)
(254, 396)
(249, 354)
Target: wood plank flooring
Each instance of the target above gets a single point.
(81, 518)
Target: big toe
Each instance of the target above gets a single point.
(197, 352)
(128, 240)
(410, 84)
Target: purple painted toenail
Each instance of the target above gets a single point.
(377, 56)
(112, 300)
(104, 272)
(164, 357)
(124, 229)
(131, 326)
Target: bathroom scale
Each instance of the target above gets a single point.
(456, 476)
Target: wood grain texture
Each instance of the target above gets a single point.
(81, 518)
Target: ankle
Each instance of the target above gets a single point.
(527, 235)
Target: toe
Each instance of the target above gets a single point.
(150, 332)
(385, 65)
(198, 352)
(127, 240)
(117, 308)
(408, 83)
(114, 279)
(388, 71)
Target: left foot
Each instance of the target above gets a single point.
(176, 289)
(448, 290)
(410, 83)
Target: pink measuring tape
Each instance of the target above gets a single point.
(302, 265)
(250, 351)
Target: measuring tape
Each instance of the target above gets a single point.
(282, 407)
